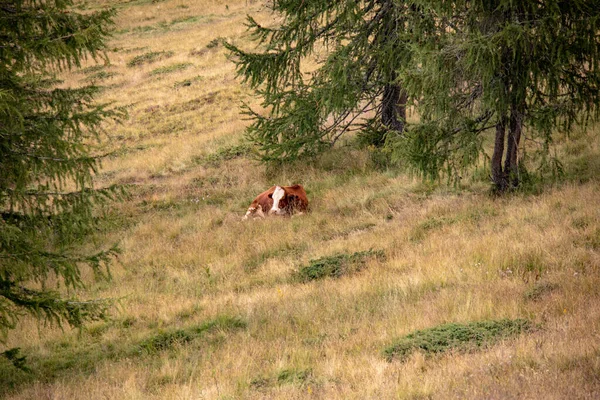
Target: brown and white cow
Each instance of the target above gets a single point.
(278, 200)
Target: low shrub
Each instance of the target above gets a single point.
(149, 57)
(336, 265)
(447, 337)
(167, 69)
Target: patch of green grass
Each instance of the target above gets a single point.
(100, 76)
(539, 289)
(167, 25)
(98, 329)
(83, 354)
(167, 339)
(143, 29)
(193, 104)
(137, 3)
(448, 337)
(181, 20)
(133, 49)
(337, 265)
(190, 312)
(582, 168)
(150, 57)
(224, 154)
(92, 69)
(167, 69)
(475, 215)
(229, 153)
(286, 376)
(187, 82)
(286, 249)
(336, 234)
(593, 240)
(155, 382)
(420, 231)
(472, 216)
(128, 322)
(580, 222)
(161, 205)
(527, 265)
(589, 240)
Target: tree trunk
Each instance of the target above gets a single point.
(393, 107)
(393, 102)
(511, 166)
(498, 177)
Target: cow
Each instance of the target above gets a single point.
(278, 200)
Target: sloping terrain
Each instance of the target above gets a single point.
(208, 306)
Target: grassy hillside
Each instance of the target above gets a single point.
(389, 288)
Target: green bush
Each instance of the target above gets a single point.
(149, 57)
(447, 337)
(336, 265)
(167, 69)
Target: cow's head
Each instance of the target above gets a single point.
(281, 201)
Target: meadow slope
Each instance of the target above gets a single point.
(210, 307)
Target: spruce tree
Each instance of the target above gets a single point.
(510, 68)
(47, 196)
(329, 67)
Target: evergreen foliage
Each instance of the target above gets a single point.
(47, 196)
(448, 337)
(517, 69)
(472, 69)
(353, 50)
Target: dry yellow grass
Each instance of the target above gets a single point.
(453, 255)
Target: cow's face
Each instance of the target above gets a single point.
(279, 201)
(283, 202)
